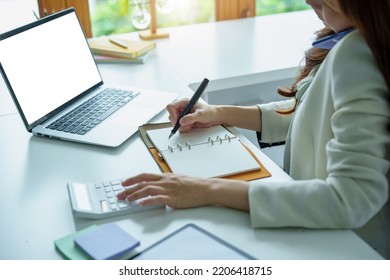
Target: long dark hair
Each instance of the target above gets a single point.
(313, 57)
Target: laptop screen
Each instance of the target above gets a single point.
(47, 63)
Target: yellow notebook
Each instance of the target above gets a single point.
(206, 152)
(130, 49)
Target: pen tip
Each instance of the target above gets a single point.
(170, 135)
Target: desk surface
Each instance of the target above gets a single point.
(33, 197)
(36, 209)
(241, 52)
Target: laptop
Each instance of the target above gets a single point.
(57, 88)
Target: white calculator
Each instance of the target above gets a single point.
(98, 200)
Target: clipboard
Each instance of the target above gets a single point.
(192, 242)
(244, 176)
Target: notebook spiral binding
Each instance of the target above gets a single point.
(209, 140)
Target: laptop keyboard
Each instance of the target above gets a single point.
(92, 112)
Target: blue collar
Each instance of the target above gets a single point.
(329, 41)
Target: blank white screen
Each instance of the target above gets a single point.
(48, 65)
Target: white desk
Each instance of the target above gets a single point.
(240, 52)
(34, 203)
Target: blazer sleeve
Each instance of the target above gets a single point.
(274, 126)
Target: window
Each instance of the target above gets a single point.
(266, 7)
(121, 16)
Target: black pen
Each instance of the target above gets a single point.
(193, 101)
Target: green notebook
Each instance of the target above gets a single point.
(68, 249)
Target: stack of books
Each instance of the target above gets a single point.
(108, 49)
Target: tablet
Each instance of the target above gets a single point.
(192, 243)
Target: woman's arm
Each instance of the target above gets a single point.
(180, 191)
(204, 115)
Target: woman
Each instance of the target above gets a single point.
(336, 128)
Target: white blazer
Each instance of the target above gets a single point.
(335, 146)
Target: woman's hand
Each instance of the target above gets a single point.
(201, 115)
(169, 189)
(178, 191)
(204, 115)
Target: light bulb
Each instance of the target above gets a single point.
(165, 6)
(141, 16)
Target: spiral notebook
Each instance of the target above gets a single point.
(204, 152)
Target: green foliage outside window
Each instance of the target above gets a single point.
(114, 16)
(266, 7)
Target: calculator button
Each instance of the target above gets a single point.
(115, 182)
(104, 205)
(117, 188)
(113, 207)
(122, 204)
